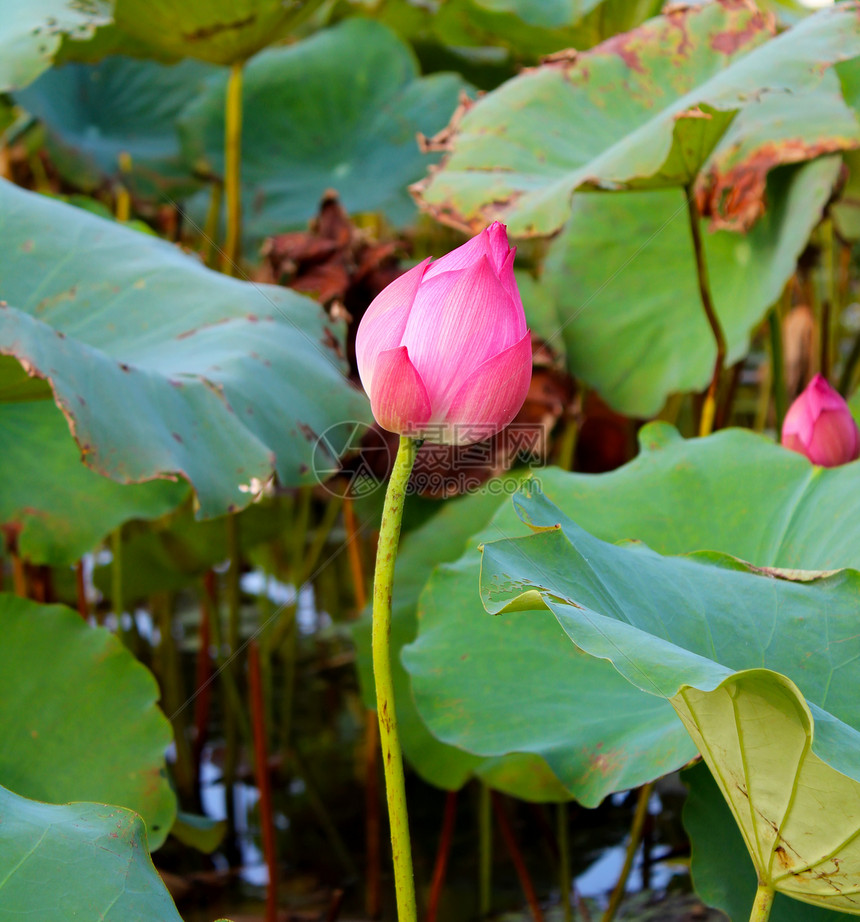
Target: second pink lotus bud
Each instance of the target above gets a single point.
(820, 425)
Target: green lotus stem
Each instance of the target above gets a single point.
(830, 301)
(232, 168)
(392, 758)
(485, 850)
(566, 451)
(231, 714)
(632, 846)
(763, 903)
(780, 399)
(709, 408)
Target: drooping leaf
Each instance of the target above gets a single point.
(647, 109)
(633, 337)
(160, 366)
(200, 832)
(97, 113)
(712, 635)
(57, 508)
(339, 110)
(792, 783)
(79, 716)
(734, 492)
(81, 860)
(723, 874)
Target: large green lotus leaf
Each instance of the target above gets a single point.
(96, 113)
(81, 860)
(494, 688)
(734, 491)
(79, 716)
(633, 337)
(217, 31)
(646, 109)
(161, 366)
(57, 507)
(31, 35)
(339, 110)
(439, 540)
(702, 617)
(792, 782)
(723, 874)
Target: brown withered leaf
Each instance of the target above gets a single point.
(335, 262)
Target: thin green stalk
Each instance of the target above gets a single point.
(232, 168)
(566, 448)
(777, 364)
(232, 699)
(709, 407)
(763, 903)
(210, 227)
(129, 635)
(485, 850)
(632, 847)
(829, 303)
(846, 379)
(392, 759)
(321, 535)
(235, 708)
(317, 803)
(565, 878)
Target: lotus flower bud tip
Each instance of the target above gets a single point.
(444, 351)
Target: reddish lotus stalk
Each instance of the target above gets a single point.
(258, 722)
(353, 550)
(516, 857)
(442, 855)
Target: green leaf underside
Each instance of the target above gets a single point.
(799, 817)
(75, 697)
(650, 109)
(712, 635)
(59, 509)
(637, 340)
(217, 31)
(723, 874)
(160, 366)
(735, 492)
(120, 106)
(81, 860)
(339, 110)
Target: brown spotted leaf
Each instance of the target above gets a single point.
(649, 109)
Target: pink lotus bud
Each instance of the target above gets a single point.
(444, 352)
(819, 425)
